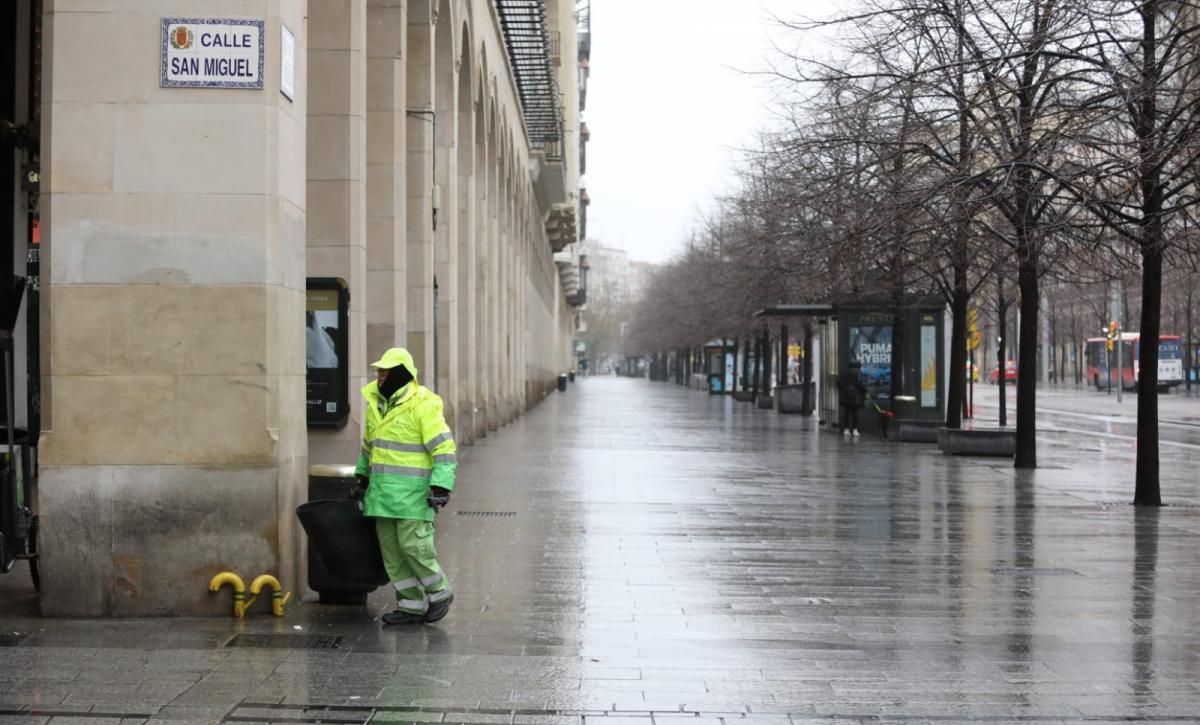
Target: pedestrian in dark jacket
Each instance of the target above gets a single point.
(852, 393)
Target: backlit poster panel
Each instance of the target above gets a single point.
(325, 351)
(929, 371)
(871, 345)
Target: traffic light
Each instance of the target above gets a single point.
(1112, 330)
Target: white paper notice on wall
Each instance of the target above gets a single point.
(287, 62)
(212, 53)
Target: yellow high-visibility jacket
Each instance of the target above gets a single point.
(407, 447)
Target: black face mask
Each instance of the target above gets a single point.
(396, 378)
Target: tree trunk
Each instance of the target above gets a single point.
(1146, 482)
(746, 381)
(1001, 353)
(1052, 348)
(807, 374)
(783, 356)
(766, 366)
(1027, 362)
(1076, 355)
(897, 362)
(754, 377)
(956, 395)
(736, 344)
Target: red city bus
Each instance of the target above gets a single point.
(1126, 371)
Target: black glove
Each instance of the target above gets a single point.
(438, 497)
(359, 492)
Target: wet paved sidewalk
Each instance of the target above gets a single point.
(633, 553)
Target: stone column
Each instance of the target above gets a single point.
(446, 233)
(387, 251)
(468, 310)
(503, 287)
(337, 205)
(419, 186)
(493, 281)
(523, 277)
(174, 246)
(483, 320)
(523, 309)
(510, 306)
(522, 282)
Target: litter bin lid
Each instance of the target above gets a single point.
(331, 470)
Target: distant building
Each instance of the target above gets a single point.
(612, 275)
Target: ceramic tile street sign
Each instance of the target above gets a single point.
(212, 53)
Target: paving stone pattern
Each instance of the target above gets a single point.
(674, 557)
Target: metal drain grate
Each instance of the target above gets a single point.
(11, 639)
(1032, 571)
(489, 514)
(285, 641)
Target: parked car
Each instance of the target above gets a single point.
(1010, 373)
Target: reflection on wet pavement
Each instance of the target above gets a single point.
(676, 557)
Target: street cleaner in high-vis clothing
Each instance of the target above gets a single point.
(407, 466)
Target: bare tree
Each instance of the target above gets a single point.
(1146, 172)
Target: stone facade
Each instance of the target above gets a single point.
(179, 226)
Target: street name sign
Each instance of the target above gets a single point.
(212, 53)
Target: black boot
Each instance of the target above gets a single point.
(437, 610)
(398, 617)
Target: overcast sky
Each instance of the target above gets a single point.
(668, 106)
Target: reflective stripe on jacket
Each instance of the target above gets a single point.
(407, 447)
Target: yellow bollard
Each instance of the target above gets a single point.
(240, 605)
(278, 598)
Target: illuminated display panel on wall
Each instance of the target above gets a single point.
(326, 344)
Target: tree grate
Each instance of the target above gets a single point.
(285, 641)
(489, 514)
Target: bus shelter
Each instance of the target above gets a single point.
(719, 366)
(902, 351)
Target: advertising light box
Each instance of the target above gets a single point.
(326, 345)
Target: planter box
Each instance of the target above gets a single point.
(743, 396)
(999, 442)
(916, 431)
(791, 400)
(766, 402)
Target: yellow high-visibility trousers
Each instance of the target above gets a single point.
(411, 562)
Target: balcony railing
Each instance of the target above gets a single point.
(529, 46)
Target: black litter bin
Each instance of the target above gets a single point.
(571, 376)
(562, 383)
(344, 563)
